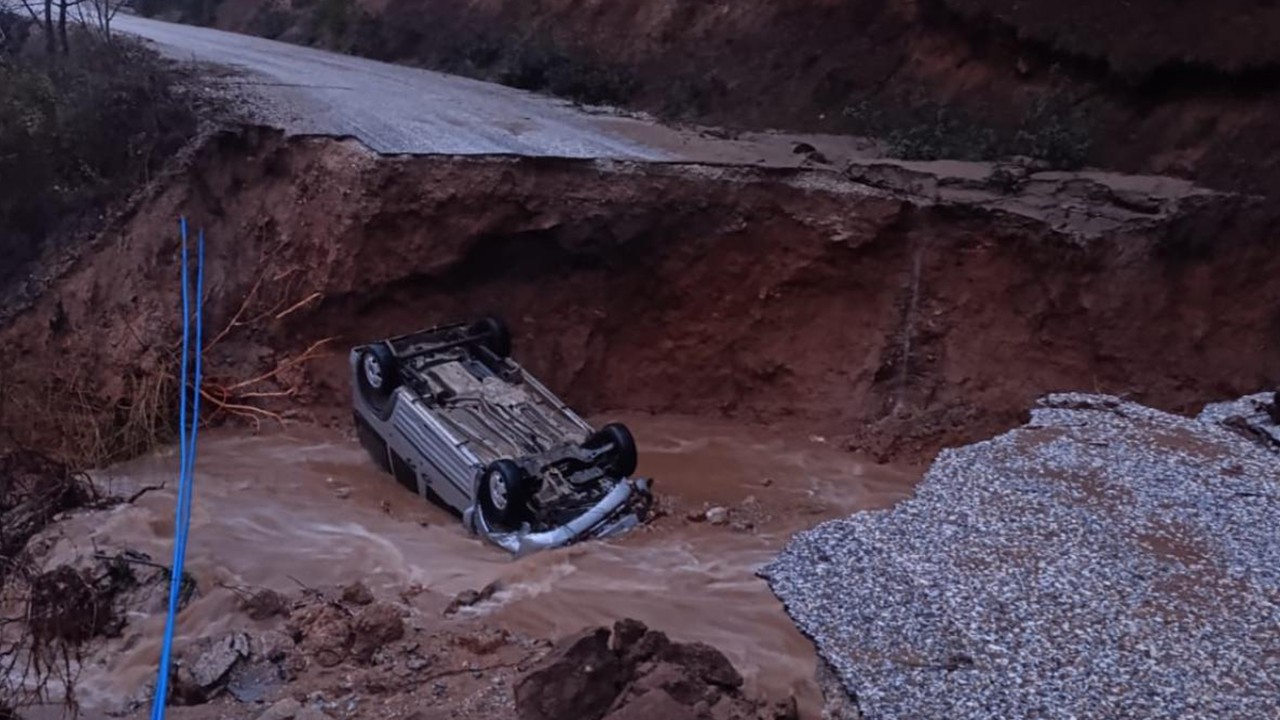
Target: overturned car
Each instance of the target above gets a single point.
(455, 419)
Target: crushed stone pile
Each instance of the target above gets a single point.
(1105, 560)
(1256, 417)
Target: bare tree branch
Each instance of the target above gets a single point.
(35, 14)
(100, 14)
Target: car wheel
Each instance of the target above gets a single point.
(624, 457)
(504, 494)
(496, 335)
(379, 372)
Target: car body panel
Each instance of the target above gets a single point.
(458, 408)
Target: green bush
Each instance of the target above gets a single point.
(947, 134)
(331, 21)
(541, 66)
(77, 133)
(195, 12)
(1058, 137)
(270, 21)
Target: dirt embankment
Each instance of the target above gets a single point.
(901, 312)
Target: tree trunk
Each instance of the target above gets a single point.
(49, 46)
(62, 26)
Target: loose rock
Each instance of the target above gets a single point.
(323, 632)
(286, 709)
(635, 673)
(265, 604)
(375, 626)
(654, 705)
(467, 598)
(357, 593)
(705, 662)
(579, 679)
(212, 666)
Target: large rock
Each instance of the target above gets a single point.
(579, 678)
(211, 667)
(703, 662)
(1256, 417)
(375, 626)
(671, 680)
(206, 667)
(637, 673)
(323, 632)
(654, 705)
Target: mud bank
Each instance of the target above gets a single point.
(894, 309)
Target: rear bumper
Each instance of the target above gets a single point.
(619, 511)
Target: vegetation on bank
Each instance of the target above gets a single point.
(78, 131)
(532, 59)
(401, 34)
(1050, 133)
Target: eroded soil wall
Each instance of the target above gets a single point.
(884, 320)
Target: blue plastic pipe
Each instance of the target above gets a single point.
(188, 433)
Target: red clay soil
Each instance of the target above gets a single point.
(893, 320)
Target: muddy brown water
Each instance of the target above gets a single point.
(305, 506)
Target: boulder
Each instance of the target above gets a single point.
(580, 678)
(375, 626)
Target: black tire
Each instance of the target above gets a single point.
(378, 373)
(624, 458)
(504, 493)
(373, 444)
(497, 337)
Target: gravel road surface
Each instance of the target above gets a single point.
(396, 109)
(390, 108)
(1104, 561)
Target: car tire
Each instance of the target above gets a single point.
(624, 458)
(504, 494)
(378, 373)
(497, 337)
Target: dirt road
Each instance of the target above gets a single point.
(395, 109)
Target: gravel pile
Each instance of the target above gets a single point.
(1106, 560)
(1254, 416)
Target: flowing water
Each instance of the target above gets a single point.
(306, 507)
